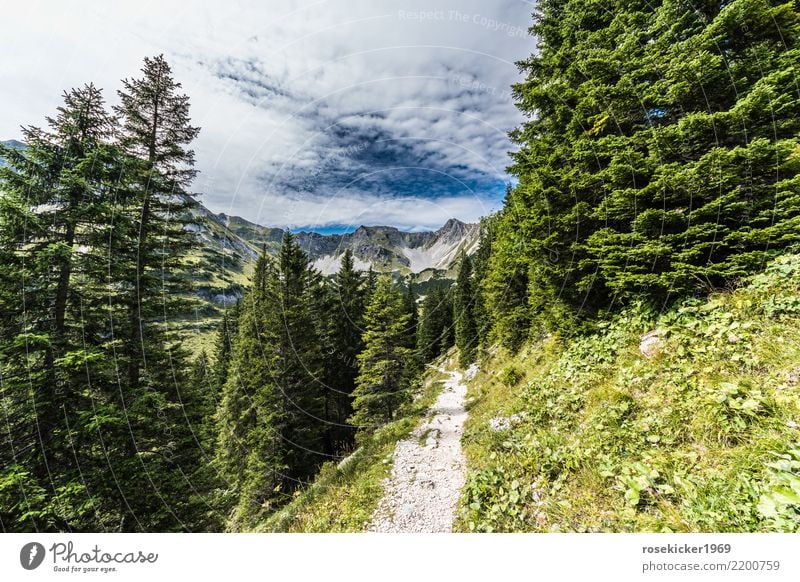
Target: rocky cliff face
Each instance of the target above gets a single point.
(388, 249)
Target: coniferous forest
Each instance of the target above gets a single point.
(657, 165)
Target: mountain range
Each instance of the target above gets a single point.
(229, 246)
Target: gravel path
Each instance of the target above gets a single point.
(429, 469)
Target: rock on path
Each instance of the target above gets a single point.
(429, 470)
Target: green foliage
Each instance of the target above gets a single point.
(480, 268)
(466, 333)
(435, 332)
(89, 445)
(510, 376)
(411, 333)
(734, 407)
(271, 419)
(383, 380)
(500, 500)
(348, 325)
(612, 440)
(780, 502)
(659, 159)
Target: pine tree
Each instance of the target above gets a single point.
(271, 423)
(322, 305)
(507, 286)
(299, 367)
(435, 335)
(250, 452)
(383, 379)
(657, 159)
(52, 358)
(155, 134)
(156, 130)
(466, 334)
(203, 382)
(346, 318)
(223, 347)
(412, 310)
(370, 284)
(480, 268)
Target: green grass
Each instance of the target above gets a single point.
(212, 272)
(199, 334)
(344, 495)
(702, 437)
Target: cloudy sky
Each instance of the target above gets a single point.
(315, 114)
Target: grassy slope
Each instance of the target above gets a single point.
(343, 497)
(216, 268)
(702, 437)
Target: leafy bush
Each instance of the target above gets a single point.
(495, 501)
(780, 503)
(510, 376)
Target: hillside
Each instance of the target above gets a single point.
(693, 427)
(592, 434)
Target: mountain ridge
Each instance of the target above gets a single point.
(229, 245)
(386, 249)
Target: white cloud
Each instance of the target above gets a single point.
(309, 108)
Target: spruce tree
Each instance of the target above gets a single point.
(53, 360)
(322, 307)
(250, 452)
(205, 398)
(271, 423)
(412, 310)
(347, 320)
(299, 366)
(155, 133)
(466, 335)
(223, 346)
(480, 268)
(383, 379)
(370, 284)
(435, 335)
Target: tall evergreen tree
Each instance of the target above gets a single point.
(52, 360)
(298, 371)
(322, 305)
(155, 133)
(346, 318)
(435, 335)
(480, 268)
(272, 423)
(223, 346)
(206, 398)
(506, 286)
(383, 379)
(466, 335)
(412, 310)
(156, 130)
(370, 284)
(250, 452)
